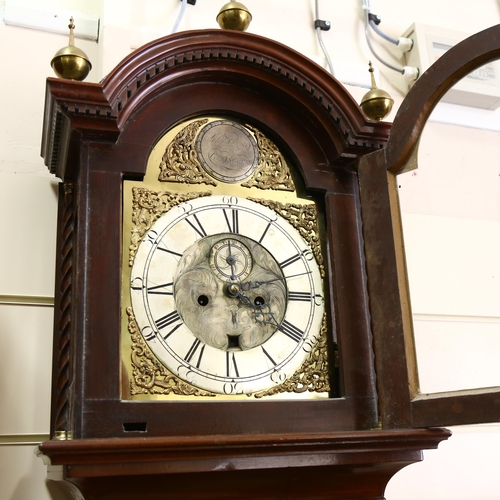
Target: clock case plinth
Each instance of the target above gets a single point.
(346, 465)
(97, 135)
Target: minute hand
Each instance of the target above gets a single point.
(256, 284)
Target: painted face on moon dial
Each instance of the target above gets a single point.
(227, 294)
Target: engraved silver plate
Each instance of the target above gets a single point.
(227, 151)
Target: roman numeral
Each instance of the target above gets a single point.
(300, 296)
(169, 251)
(196, 225)
(232, 222)
(161, 289)
(231, 364)
(291, 331)
(268, 356)
(290, 260)
(265, 232)
(192, 351)
(169, 320)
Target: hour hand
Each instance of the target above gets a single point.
(261, 311)
(231, 260)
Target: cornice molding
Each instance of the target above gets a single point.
(76, 109)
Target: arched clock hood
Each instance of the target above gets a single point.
(212, 71)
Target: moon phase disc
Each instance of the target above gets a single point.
(227, 151)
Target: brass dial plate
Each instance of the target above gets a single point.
(147, 202)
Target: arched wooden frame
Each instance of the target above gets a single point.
(401, 404)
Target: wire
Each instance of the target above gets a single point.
(322, 45)
(366, 7)
(377, 30)
(180, 16)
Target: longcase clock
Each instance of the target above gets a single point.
(231, 316)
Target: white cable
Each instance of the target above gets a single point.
(366, 7)
(322, 45)
(377, 30)
(402, 43)
(180, 16)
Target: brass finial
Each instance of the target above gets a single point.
(376, 103)
(70, 62)
(234, 16)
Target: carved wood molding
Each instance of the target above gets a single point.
(179, 55)
(197, 57)
(198, 452)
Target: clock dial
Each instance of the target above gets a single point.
(230, 260)
(227, 294)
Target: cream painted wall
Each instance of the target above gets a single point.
(451, 214)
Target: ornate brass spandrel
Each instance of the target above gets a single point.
(149, 376)
(180, 161)
(147, 207)
(272, 171)
(312, 376)
(304, 218)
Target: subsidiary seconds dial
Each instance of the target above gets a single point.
(227, 294)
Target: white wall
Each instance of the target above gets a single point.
(451, 213)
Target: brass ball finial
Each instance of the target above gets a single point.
(234, 16)
(70, 62)
(376, 103)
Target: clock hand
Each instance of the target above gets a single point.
(231, 260)
(256, 284)
(259, 310)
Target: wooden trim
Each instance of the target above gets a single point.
(75, 111)
(394, 343)
(103, 457)
(383, 250)
(457, 408)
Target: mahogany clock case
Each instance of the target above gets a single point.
(98, 135)
(106, 132)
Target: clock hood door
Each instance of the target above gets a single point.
(401, 403)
